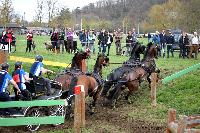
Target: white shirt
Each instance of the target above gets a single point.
(195, 40)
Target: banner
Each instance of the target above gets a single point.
(5, 47)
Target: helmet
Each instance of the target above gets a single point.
(18, 64)
(39, 58)
(4, 66)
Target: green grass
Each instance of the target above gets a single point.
(181, 94)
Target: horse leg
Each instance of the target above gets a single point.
(116, 94)
(149, 80)
(95, 97)
(132, 87)
(106, 88)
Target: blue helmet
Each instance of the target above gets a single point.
(5, 66)
(39, 58)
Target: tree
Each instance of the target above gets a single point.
(164, 16)
(51, 7)
(189, 15)
(39, 11)
(63, 19)
(6, 12)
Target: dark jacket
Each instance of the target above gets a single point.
(54, 37)
(103, 38)
(183, 41)
(169, 39)
(162, 38)
(129, 40)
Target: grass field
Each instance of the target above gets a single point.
(181, 94)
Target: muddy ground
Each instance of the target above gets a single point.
(105, 120)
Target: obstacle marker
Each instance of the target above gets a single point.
(79, 111)
(29, 60)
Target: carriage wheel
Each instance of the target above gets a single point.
(58, 110)
(33, 112)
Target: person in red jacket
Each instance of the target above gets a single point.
(29, 37)
(8, 37)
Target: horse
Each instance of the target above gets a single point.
(78, 67)
(126, 67)
(132, 79)
(92, 82)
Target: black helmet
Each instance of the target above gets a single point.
(39, 58)
(18, 64)
(4, 66)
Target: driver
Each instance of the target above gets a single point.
(5, 79)
(37, 69)
(19, 76)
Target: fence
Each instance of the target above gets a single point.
(185, 124)
(18, 121)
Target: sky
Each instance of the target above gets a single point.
(29, 6)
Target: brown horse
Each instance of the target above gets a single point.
(92, 83)
(132, 79)
(78, 67)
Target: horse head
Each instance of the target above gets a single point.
(136, 51)
(151, 51)
(102, 60)
(77, 60)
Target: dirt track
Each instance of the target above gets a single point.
(105, 120)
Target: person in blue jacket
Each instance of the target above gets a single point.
(5, 79)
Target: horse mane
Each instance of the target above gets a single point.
(77, 59)
(98, 66)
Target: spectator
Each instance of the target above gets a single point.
(83, 39)
(109, 42)
(162, 42)
(129, 41)
(134, 35)
(195, 45)
(91, 41)
(103, 41)
(61, 40)
(118, 38)
(169, 42)
(29, 37)
(75, 39)
(156, 41)
(70, 40)
(149, 37)
(54, 41)
(183, 41)
(8, 37)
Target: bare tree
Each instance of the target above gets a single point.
(40, 11)
(6, 12)
(51, 7)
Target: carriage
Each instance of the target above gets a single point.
(37, 91)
